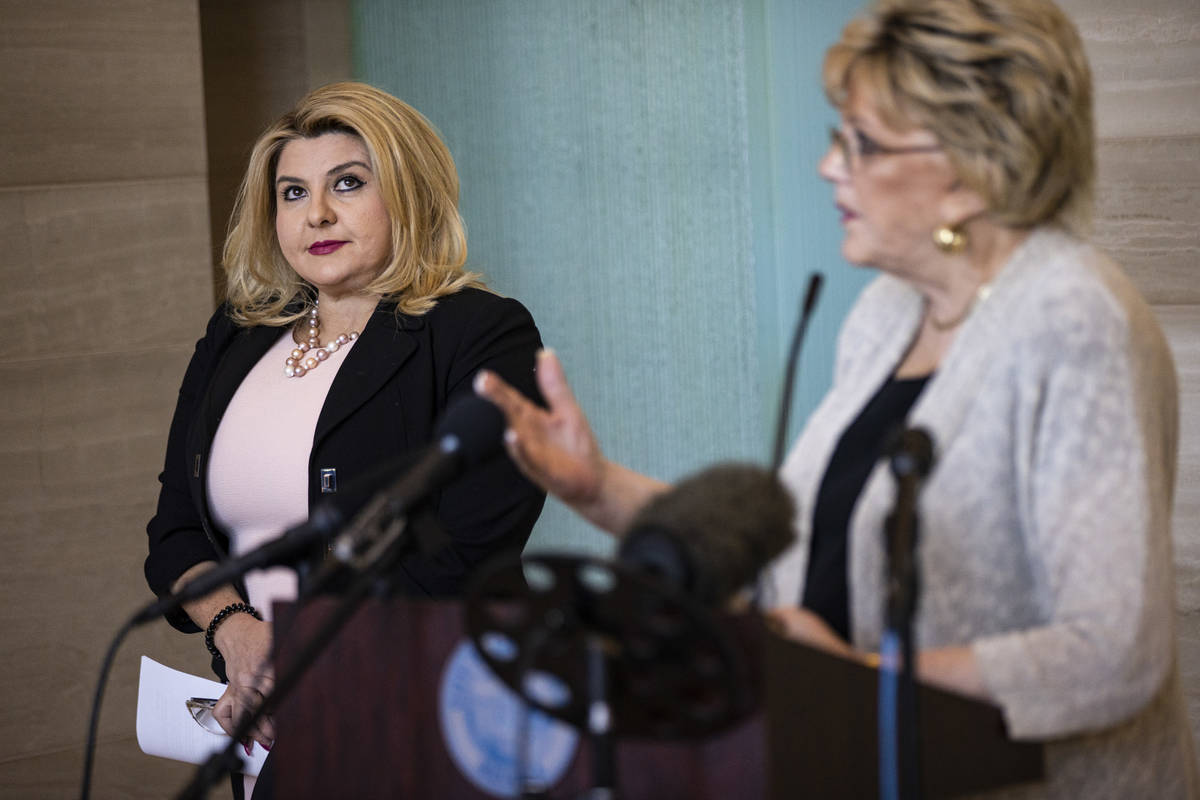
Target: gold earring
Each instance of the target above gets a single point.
(949, 240)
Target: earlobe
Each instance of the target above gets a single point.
(960, 205)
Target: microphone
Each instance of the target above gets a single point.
(712, 533)
(785, 404)
(911, 454)
(910, 457)
(468, 434)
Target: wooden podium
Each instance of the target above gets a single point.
(822, 732)
(364, 722)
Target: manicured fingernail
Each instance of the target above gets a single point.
(545, 352)
(480, 382)
(510, 436)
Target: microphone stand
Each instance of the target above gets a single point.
(599, 721)
(292, 547)
(899, 751)
(381, 558)
(815, 282)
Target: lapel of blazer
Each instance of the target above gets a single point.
(246, 349)
(384, 345)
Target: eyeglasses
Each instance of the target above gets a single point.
(853, 151)
(201, 709)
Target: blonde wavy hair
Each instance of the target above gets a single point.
(419, 186)
(1003, 84)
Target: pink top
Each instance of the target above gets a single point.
(258, 470)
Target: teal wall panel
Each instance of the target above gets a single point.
(796, 226)
(642, 176)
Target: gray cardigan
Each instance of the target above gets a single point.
(1045, 538)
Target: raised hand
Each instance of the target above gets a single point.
(557, 450)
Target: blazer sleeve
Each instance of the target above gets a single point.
(491, 509)
(177, 540)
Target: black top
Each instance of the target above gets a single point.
(826, 590)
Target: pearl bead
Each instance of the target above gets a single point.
(296, 365)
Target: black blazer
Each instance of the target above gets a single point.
(384, 401)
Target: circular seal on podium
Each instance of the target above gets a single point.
(482, 727)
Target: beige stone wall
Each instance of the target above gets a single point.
(1146, 66)
(259, 59)
(104, 221)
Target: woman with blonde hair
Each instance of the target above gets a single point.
(963, 170)
(349, 325)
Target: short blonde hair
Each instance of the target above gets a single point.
(1003, 84)
(419, 186)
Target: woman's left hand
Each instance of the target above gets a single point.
(245, 644)
(953, 668)
(804, 626)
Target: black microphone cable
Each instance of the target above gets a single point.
(89, 750)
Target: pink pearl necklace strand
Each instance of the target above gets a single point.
(296, 364)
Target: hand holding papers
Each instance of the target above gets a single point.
(173, 722)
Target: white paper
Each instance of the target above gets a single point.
(165, 727)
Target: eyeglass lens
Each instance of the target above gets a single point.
(201, 709)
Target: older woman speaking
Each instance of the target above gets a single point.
(349, 325)
(962, 170)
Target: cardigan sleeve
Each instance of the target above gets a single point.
(1094, 492)
(177, 540)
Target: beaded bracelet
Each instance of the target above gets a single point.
(222, 615)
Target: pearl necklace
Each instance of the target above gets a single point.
(296, 365)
